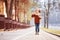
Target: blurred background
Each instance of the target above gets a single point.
(20, 11)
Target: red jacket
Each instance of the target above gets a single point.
(36, 18)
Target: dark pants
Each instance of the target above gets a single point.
(37, 27)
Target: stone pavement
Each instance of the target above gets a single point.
(27, 34)
(42, 36)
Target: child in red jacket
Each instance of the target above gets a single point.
(37, 20)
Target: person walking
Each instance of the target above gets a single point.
(37, 19)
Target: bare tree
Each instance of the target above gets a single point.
(47, 14)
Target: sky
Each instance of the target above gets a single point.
(41, 0)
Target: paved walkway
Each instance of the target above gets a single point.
(27, 34)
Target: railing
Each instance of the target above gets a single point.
(6, 23)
